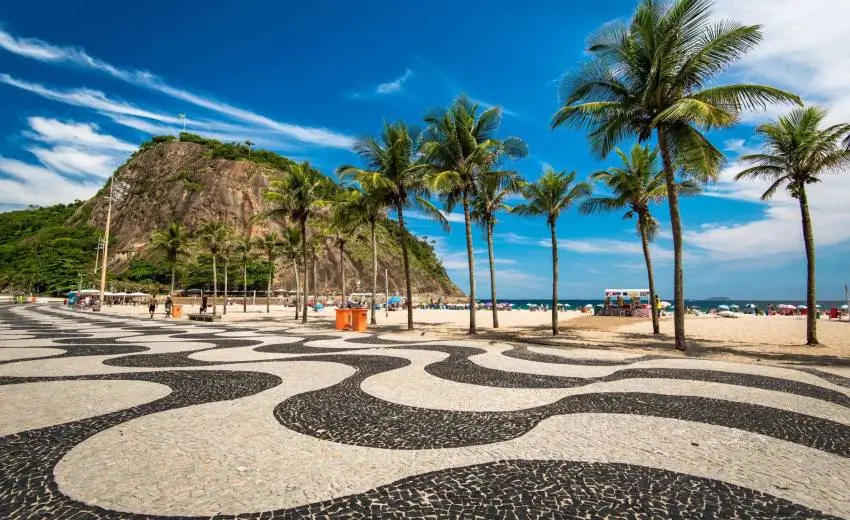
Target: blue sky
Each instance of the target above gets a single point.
(83, 83)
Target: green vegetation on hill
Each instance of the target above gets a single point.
(41, 253)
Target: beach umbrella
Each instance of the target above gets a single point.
(751, 306)
(733, 306)
(393, 300)
(844, 307)
(724, 307)
(801, 307)
(664, 305)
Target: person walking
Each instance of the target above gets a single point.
(168, 304)
(204, 304)
(152, 305)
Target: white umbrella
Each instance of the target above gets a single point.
(751, 305)
(588, 306)
(844, 307)
(724, 307)
(664, 305)
(802, 307)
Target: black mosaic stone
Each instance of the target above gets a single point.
(522, 352)
(345, 413)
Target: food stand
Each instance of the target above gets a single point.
(627, 303)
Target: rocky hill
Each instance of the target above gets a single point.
(192, 182)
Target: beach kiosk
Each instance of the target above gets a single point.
(627, 303)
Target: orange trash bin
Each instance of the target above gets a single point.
(358, 320)
(176, 311)
(343, 319)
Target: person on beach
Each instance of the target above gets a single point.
(168, 304)
(204, 304)
(152, 306)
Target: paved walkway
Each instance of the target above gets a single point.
(110, 417)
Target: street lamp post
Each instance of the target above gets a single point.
(113, 195)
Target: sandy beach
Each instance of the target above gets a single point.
(745, 338)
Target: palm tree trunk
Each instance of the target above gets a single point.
(554, 280)
(492, 274)
(297, 290)
(644, 238)
(407, 285)
(809, 239)
(226, 268)
(342, 269)
(676, 228)
(269, 284)
(374, 321)
(173, 275)
(244, 287)
(215, 284)
(470, 262)
(304, 257)
(313, 283)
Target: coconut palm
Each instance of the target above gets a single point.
(226, 253)
(656, 76)
(298, 195)
(175, 243)
(798, 151)
(214, 236)
(635, 185)
(244, 249)
(346, 218)
(492, 192)
(397, 177)
(551, 194)
(271, 246)
(368, 206)
(460, 146)
(291, 249)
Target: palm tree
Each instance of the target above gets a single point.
(291, 249)
(551, 194)
(635, 185)
(657, 76)
(226, 253)
(298, 195)
(244, 249)
(460, 146)
(271, 245)
(492, 191)
(175, 243)
(346, 218)
(213, 237)
(369, 205)
(396, 175)
(797, 152)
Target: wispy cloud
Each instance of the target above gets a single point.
(515, 238)
(83, 134)
(31, 184)
(395, 85)
(506, 111)
(45, 52)
(451, 217)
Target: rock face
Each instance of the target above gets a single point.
(181, 182)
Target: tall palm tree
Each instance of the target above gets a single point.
(460, 145)
(492, 192)
(291, 249)
(298, 195)
(369, 205)
(271, 245)
(173, 241)
(551, 194)
(797, 152)
(394, 170)
(346, 218)
(656, 76)
(226, 253)
(635, 185)
(244, 250)
(213, 236)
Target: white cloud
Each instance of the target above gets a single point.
(515, 238)
(86, 98)
(487, 105)
(76, 161)
(45, 52)
(84, 134)
(451, 217)
(394, 86)
(37, 185)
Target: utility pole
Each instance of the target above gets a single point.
(387, 295)
(80, 288)
(112, 197)
(181, 116)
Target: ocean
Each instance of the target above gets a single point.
(703, 305)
